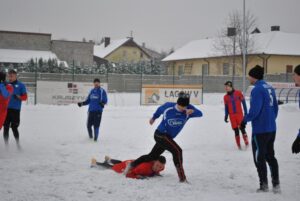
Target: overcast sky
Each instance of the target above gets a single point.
(162, 24)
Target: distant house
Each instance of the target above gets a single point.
(155, 56)
(19, 47)
(74, 52)
(278, 52)
(120, 51)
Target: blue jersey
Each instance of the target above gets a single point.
(19, 90)
(299, 107)
(96, 100)
(173, 120)
(263, 108)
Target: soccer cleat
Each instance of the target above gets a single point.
(245, 137)
(93, 163)
(263, 188)
(238, 142)
(19, 147)
(107, 159)
(276, 189)
(183, 181)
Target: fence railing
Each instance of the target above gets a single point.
(287, 95)
(134, 82)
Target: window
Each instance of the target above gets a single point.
(180, 70)
(225, 68)
(205, 70)
(289, 69)
(188, 67)
(142, 55)
(170, 70)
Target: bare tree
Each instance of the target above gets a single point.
(232, 45)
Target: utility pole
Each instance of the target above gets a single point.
(231, 32)
(35, 76)
(73, 71)
(244, 46)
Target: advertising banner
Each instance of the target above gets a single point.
(159, 94)
(63, 93)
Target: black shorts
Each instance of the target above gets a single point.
(12, 118)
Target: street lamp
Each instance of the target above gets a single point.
(231, 32)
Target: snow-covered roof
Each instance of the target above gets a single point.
(23, 56)
(101, 51)
(273, 43)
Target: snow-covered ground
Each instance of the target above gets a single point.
(54, 161)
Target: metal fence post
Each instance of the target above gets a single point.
(35, 76)
(73, 71)
(202, 84)
(141, 90)
(107, 80)
(173, 75)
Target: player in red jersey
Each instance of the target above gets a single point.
(143, 170)
(233, 101)
(6, 91)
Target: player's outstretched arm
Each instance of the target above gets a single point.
(86, 102)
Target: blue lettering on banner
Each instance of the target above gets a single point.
(174, 93)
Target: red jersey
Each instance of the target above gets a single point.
(233, 102)
(144, 169)
(4, 104)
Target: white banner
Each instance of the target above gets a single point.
(276, 85)
(281, 85)
(160, 94)
(63, 93)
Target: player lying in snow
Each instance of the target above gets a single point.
(142, 171)
(175, 116)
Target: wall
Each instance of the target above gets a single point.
(80, 52)
(132, 83)
(275, 64)
(24, 41)
(132, 55)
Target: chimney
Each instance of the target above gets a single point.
(144, 45)
(275, 28)
(231, 31)
(106, 41)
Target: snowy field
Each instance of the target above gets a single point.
(55, 157)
